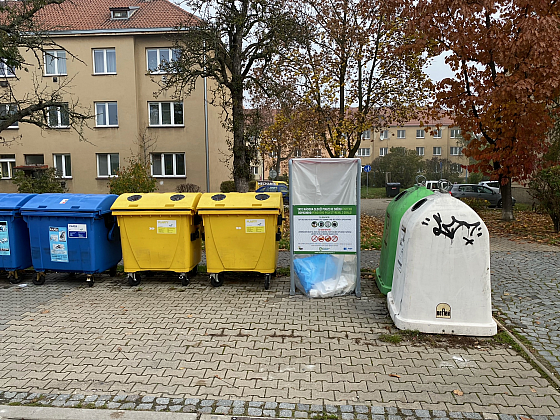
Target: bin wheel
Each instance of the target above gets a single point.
(193, 272)
(267, 281)
(184, 279)
(134, 279)
(113, 271)
(39, 279)
(217, 279)
(90, 280)
(13, 277)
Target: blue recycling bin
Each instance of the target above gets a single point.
(73, 233)
(15, 252)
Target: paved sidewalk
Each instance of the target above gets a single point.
(199, 349)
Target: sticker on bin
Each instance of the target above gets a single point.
(4, 239)
(58, 244)
(254, 226)
(64, 201)
(77, 230)
(167, 227)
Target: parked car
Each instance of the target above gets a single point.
(480, 192)
(283, 188)
(434, 185)
(491, 184)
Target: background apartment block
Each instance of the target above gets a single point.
(113, 50)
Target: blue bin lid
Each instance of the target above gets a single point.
(71, 203)
(14, 201)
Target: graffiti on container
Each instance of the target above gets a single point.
(449, 230)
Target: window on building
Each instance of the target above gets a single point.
(455, 151)
(274, 154)
(105, 61)
(456, 168)
(6, 110)
(168, 164)
(420, 151)
(318, 153)
(366, 135)
(437, 134)
(420, 134)
(158, 57)
(5, 70)
(58, 116)
(165, 113)
(297, 153)
(63, 165)
(107, 164)
(34, 159)
(455, 133)
(55, 63)
(383, 151)
(254, 170)
(384, 135)
(364, 151)
(7, 164)
(437, 151)
(106, 114)
(401, 134)
(122, 12)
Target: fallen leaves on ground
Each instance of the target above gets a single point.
(371, 231)
(529, 226)
(458, 392)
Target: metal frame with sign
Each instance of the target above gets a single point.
(325, 214)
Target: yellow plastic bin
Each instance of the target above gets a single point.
(242, 231)
(159, 232)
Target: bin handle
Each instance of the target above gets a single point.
(111, 234)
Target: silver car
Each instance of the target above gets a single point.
(480, 192)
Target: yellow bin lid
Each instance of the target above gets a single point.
(156, 201)
(241, 201)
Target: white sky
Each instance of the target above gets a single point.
(437, 69)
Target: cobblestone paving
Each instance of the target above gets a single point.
(240, 342)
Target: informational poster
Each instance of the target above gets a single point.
(58, 240)
(324, 229)
(254, 226)
(167, 227)
(77, 230)
(4, 238)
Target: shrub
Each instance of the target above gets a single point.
(545, 187)
(252, 185)
(227, 186)
(475, 203)
(41, 181)
(187, 188)
(133, 178)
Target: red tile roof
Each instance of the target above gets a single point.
(94, 15)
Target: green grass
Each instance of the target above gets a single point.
(373, 192)
(325, 416)
(282, 271)
(371, 243)
(391, 338)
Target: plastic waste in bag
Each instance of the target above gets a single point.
(325, 275)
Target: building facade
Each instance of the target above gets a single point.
(109, 62)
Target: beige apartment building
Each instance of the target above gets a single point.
(443, 143)
(110, 58)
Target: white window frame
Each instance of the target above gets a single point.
(384, 135)
(364, 151)
(437, 134)
(172, 110)
(56, 59)
(108, 164)
(420, 151)
(401, 134)
(104, 50)
(10, 164)
(115, 16)
(62, 170)
(318, 153)
(435, 149)
(15, 125)
(366, 135)
(5, 70)
(254, 170)
(383, 151)
(59, 117)
(162, 157)
(158, 69)
(298, 153)
(455, 151)
(455, 133)
(106, 106)
(420, 134)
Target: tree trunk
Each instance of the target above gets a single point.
(240, 164)
(556, 221)
(507, 208)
